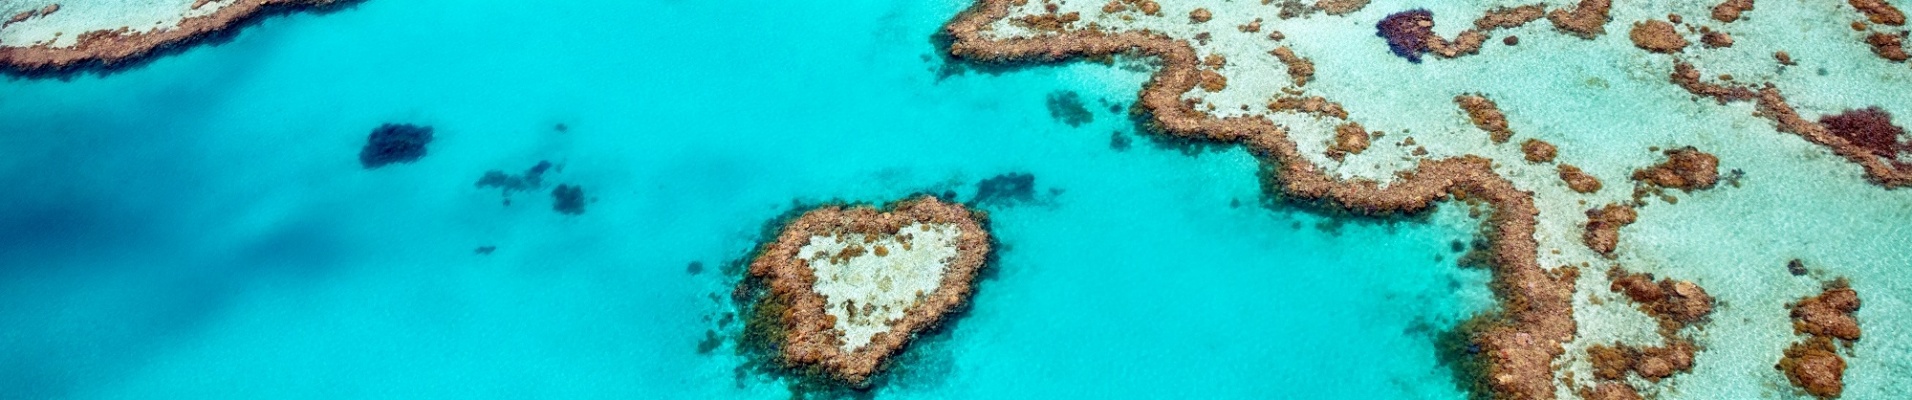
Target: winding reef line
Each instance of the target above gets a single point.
(1536, 317)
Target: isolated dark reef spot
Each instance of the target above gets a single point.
(1006, 189)
(395, 143)
(1870, 128)
(1066, 107)
(568, 199)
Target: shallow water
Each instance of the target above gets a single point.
(200, 227)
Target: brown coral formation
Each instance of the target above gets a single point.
(1349, 138)
(1887, 46)
(23, 16)
(107, 49)
(1299, 69)
(1538, 151)
(1587, 20)
(1200, 15)
(1685, 168)
(1485, 115)
(1579, 181)
(1676, 305)
(1814, 364)
(1603, 227)
(1729, 10)
(1517, 349)
(1870, 128)
(1047, 22)
(1657, 36)
(1314, 105)
(1340, 7)
(1715, 39)
(1879, 11)
(809, 338)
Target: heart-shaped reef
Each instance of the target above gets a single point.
(845, 288)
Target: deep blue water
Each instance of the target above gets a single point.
(200, 227)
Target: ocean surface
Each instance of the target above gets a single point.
(200, 227)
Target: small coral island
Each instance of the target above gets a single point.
(842, 289)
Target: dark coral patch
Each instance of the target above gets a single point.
(568, 199)
(1006, 189)
(1870, 128)
(1407, 32)
(1067, 107)
(395, 143)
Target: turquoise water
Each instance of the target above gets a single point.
(200, 227)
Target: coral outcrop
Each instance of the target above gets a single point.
(1538, 151)
(1814, 364)
(1588, 19)
(1685, 168)
(1486, 116)
(1657, 36)
(936, 243)
(1603, 227)
(1577, 180)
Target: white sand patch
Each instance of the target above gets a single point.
(63, 27)
(867, 290)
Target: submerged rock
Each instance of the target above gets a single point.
(395, 143)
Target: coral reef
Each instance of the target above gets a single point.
(394, 143)
(1299, 69)
(1315, 105)
(1773, 106)
(1879, 11)
(792, 314)
(1006, 189)
(1517, 349)
(1603, 227)
(568, 199)
(1538, 151)
(1349, 138)
(1888, 46)
(1657, 36)
(1870, 128)
(1407, 32)
(1486, 116)
(1814, 364)
(107, 50)
(531, 179)
(1340, 7)
(1067, 107)
(1200, 15)
(1685, 168)
(1729, 10)
(1579, 181)
(1676, 305)
(1588, 19)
